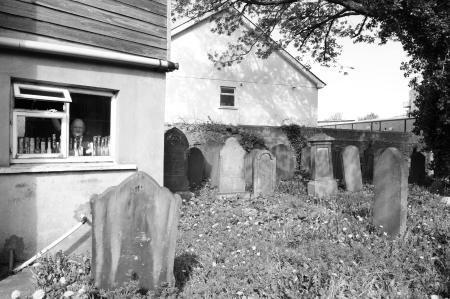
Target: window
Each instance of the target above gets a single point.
(227, 96)
(51, 124)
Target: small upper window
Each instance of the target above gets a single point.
(227, 96)
(53, 124)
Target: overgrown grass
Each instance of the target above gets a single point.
(291, 246)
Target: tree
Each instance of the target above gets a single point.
(334, 117)
(314, 27)
(369, 116)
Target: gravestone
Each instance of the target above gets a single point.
(175, 160)
(196, 167)
(134, 231)
(231, 168)
(211, 152)
(286, 161)
(323, 183)
(352, 168)
(391, 192)
(305, 163)
(368, 160)
(264, 173)
(248, 168)
(417, 168)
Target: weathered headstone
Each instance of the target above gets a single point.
(248, 168)
(417, 168)
(175, 160)
(196, 167)
(134, 231)
(323, 183)
(211, 152)
(391, 192)
(352, 168)
(231, 167)
(264, 173)
(305, 163)
(286, 161)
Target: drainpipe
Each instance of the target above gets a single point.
(79, 52)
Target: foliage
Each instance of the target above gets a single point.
(61, 276)
(315, 27)
(334, 117)
(295, 246)
(369, 116)
(213, 132)
(297, 140)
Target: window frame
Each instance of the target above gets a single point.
(234, 107)
(62, 157)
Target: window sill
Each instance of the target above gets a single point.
(228, 108)
(66, 167)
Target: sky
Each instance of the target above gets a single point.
(376, 84)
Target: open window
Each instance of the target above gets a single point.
(52, 124)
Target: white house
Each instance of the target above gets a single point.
(257, 91)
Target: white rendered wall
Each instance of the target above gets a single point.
(268, 91)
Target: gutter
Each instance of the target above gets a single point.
(96, 54)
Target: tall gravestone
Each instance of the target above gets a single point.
(323, 183)
(264, 173)
(305, 163)
(417, 168)
(196, 167)
(286, 161)
(175, 160)
(391, 192)
(248, 168)
(231, 168)
(134, 231)
(352, 168)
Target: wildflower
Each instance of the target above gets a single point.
(62, 280)
(258, 254)
(39, 294)
(344, 229)
(214, 264)
(201, 235)
(68, 294)
(384, 233)
(253, 247)
(239, 293)
(350, 236)
(421, 257)
(15, 294)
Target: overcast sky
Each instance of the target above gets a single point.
(376, 84)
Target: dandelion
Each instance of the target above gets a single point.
(421, 257)
(201, 235)
(62, 280)
(350, 236)
(253, 247)
(344, 229)
(258, 254)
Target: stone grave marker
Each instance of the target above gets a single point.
(248, 168)
(323, 183)
(305, 163)
(264, 173)
(286, 161)
(175, 160)
(417, 168)
(231, 168)
(196, 167)
(391, 192)
(134, 231)
(352, 168)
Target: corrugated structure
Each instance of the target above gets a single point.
(136, 27)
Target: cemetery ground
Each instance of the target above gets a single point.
(290, 245)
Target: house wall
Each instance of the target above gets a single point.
(40, 206)
(268, 91)
(130, 26)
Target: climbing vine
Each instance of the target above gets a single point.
(213, 132)
(296, 138)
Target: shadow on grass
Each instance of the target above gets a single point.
(183, 267)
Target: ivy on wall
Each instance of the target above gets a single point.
(213, 132)
(297, 139)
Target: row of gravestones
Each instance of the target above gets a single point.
(186, 167)
(134, 224)
(390, 180)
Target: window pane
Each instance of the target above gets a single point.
(37, 92)
(38, 105)
(226, 100)
(226, 90)
(90, 125)
(37, 135)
